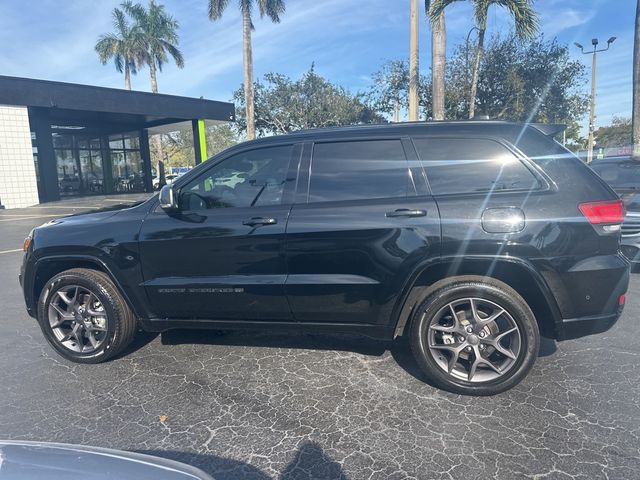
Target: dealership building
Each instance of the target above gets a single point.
(60, 140)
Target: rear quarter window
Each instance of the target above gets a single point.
(472, 165)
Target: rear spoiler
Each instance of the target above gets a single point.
(549, 129)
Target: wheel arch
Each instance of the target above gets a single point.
(47, 267)
(517, 273)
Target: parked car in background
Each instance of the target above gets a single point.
(471, 238)
(168, 178)
(623, 174)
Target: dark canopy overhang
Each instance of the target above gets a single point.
(70, 103)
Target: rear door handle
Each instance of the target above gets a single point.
(252, 222)
(406, 212)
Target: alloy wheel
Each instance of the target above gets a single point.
(77, 319)
(474, 339)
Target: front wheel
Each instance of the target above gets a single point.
(474, 336)
(84, 317)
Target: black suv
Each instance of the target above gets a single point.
(471, 238)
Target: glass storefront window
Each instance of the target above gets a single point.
(91, 166)
(68, 172)
(79, 162)
(116, 143)
(127, 166)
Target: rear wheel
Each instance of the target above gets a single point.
(474, 335)
(84, 317)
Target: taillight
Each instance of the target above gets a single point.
(603, 213)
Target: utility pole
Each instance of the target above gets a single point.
(467, 87)
(414, 70)
(592, 109)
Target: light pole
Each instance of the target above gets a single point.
(466, 61)
(592, 111)
(414, 71)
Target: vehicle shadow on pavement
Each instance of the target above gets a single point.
(399, 348)
(256, 338)
(309, 461)
(140, 341)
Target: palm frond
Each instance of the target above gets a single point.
(106, 47)
(272, 8)
(119, 62)
(120, 23)
(481, 11)
(524, 15)
(175, 53)
(434, 8)
(217, 8)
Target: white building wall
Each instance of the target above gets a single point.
(18, 184)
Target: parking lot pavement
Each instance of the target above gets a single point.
(274, 405)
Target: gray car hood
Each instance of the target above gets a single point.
(57, 461)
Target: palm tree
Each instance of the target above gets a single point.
(124, 45)
(526, 26)
(158, 31)
(636, 87)
(438, 60)
(271, 8)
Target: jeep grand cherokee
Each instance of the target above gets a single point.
(471, 238)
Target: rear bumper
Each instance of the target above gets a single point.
(579, 327)
(596, 295)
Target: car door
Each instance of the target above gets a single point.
(221, 256)
(365, 222)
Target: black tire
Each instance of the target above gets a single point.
(120, 322)
(439, 297)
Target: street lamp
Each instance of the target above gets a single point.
(466, 66)
(592, 112)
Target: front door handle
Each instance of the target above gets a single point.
(252, 222)
(406, 212)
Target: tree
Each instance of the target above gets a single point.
(283, 105)
(179, 150)
(388, 95)
(526, 26)
(414, 56)
(124, 45)
(159, 34)
(524, 81)
(271, 8)
(438, 61)
(618, 134)
(636, 87)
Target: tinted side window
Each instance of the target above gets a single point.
(359, 170)
(467, 165)
(252, 178)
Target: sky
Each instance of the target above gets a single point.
(347, 40)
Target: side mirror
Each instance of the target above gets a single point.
(168, 201)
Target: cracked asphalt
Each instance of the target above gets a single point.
(275, 405)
